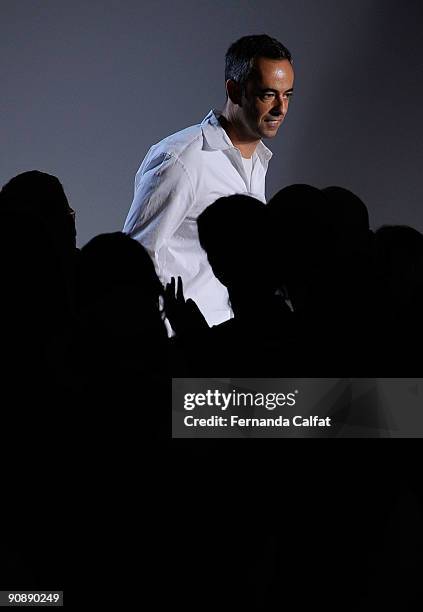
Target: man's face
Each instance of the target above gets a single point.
(265, 98)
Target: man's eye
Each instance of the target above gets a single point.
(268, 96)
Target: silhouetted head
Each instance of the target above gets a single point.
(232, 232)
(117, 283)
(399, 259)
(350, 219)
(259, 82)
(301, 232)
(112, 261)
(40, 196)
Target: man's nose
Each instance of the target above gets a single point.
(280, 107)
(277, 111)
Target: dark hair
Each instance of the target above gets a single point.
(241, 54)
(40, 196)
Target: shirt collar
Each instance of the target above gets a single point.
(217, 139)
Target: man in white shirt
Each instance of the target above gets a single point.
(187, 171)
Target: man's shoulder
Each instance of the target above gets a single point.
(180, 143)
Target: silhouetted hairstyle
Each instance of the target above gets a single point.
(241, 54)
(39, 195)
(350, 221)
(115, 260)
(232, 232)
(399, 251)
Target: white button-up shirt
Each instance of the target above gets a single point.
(179, 177)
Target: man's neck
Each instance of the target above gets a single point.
(243, 143)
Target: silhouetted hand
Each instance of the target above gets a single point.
(184, 315)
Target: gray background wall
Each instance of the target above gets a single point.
(87, 86)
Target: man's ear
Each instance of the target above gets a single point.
(234, 91)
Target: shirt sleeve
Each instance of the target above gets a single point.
(163, 196)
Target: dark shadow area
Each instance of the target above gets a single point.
(87, 395)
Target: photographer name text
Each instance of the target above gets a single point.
(236, 421)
